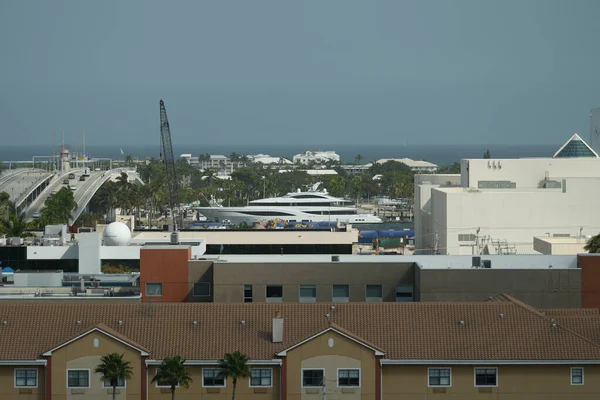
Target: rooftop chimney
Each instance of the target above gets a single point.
(278, 328)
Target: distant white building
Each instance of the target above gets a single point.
(220, 163)
(498, 206)
(318, 157)
(268, 160)
(414, 165)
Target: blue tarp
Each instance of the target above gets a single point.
(369, 236)
(7, 269)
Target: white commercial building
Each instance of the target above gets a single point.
(268, 160)
(318, 157)
(220, 163)
(498, 206)
(414, 165)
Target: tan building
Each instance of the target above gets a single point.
(501, 349)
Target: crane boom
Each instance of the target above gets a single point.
(166, 148)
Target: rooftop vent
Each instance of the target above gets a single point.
(78, 322)
(174, 238)
(195, 323)
(5, 323)
(120, 322)
(501, 315)
(243, 322)
(462, 322)
(335, 258)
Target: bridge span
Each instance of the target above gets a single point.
(83, 191)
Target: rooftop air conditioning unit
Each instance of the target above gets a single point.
(487, 263)
(476, 262)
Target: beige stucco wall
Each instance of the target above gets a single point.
(524, 382)
(197, 392)
(317, 353)
(82, 354)
(7, 384)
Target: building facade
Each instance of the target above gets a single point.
(306, 351)
(317, 157)
(501, 205)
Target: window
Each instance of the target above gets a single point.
(374, 293)
(348, 377)
(260, 376)
(341, 293)
(312, 377)
(26, 378)
(440, 377)
(78, 378)
(247, 293)
(153, 289)
(202, 289)
(404, 292)
(577, 376)
(108, 384)
(274, 293)
(486, 377)
(308, 293)
(212, 377)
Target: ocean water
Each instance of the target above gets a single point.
(436, 153)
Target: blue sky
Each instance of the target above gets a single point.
(299, 72)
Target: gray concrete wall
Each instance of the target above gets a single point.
(543, 288)
(200, 271)
(230, 278)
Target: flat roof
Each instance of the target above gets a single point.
(166, 247)
(533, 261)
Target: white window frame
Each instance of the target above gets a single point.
(26, 369)
(310, 369)
(202, 295)
(273, 299)
(582, 376)
(89, 371)
(307, 299)
(110, 387)
(250, 379)
(337, 374)
(378, 299)
(338, 299)
(475, 376)
(156, 383)
(449, 385)
(214, 386)
(154, 283)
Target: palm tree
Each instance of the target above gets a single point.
(57, 210)
(14, 224)
(114, 369)
(593, 245)
(172, 372)
(235, 366)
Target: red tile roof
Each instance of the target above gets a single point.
(416, 331)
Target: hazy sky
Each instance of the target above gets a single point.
(299, 72)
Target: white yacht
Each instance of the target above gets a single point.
(311, 206)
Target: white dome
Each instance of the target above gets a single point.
(117, 234)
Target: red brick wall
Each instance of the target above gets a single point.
(166, 266)
(590, 279)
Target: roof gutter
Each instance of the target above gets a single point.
(23, 362)
(485, 362)
(216, 362)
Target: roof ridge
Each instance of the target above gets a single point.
(542, 315)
